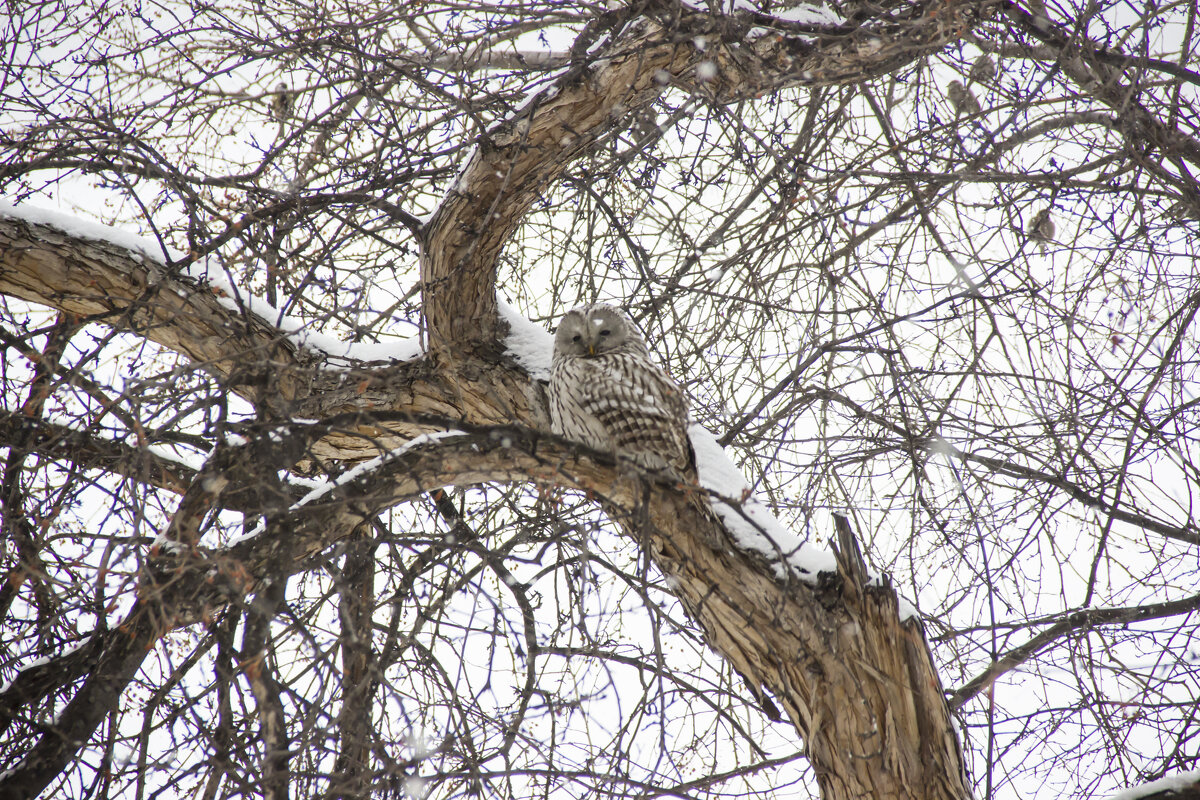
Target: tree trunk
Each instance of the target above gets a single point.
(856, 681)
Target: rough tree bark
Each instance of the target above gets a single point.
(856, 681)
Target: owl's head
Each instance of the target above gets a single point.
(596, 330)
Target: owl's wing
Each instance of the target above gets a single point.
(643, 412)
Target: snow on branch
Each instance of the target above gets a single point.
(86, 279)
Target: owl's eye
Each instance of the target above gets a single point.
(576, 338)
(605, 332)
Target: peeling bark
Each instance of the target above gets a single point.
(524, 154)
(857, 683)
(99, 282)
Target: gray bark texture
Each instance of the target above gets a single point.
(856, 681)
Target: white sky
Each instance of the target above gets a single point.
(1160, 483)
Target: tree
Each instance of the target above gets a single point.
(925, 269)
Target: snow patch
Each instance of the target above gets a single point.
(530, 345)
(753, 526)
(804, 13)
(86, 229)
(339, 354)
(1172, 783)
(184, 458)
(207, 271)
(344, 354)
(808, 15)
(323, 488)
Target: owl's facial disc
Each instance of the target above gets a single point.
(588, 333)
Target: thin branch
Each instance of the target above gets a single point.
(1073, 624)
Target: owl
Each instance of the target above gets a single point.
(606, 392)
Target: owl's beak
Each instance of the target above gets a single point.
(591, 348)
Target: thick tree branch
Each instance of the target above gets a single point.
(835, 654)
(356, 603)
(93, 452)
(606, 86)
(102, 282)
(94, 700)
(99, 281)
(256, 666)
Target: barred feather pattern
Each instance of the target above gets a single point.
(614, 397)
